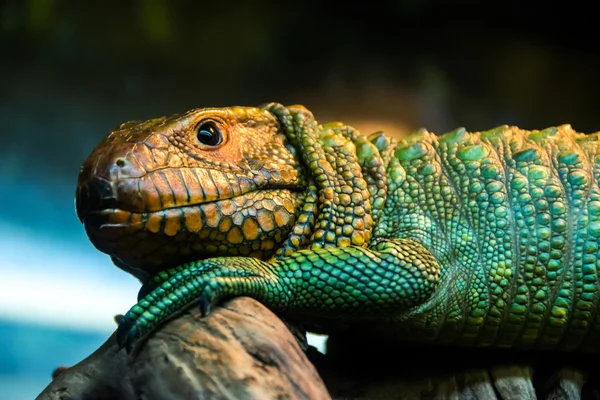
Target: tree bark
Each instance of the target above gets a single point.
(357, 368)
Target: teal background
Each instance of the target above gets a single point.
(71, 71)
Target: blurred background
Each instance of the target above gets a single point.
(71, 71)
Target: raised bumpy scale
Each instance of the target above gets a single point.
(482, 239)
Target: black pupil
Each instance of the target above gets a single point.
(208, 134)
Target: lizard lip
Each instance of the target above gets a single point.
(97, 219)
(151, 241)
(97, 198)
(97, 212)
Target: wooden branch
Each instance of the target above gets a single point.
(240, 351)
(359, 368)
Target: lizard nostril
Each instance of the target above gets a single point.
(120, 162)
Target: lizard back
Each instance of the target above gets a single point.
(513, 217)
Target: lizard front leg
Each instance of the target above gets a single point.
(349, 282)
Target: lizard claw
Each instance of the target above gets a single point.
(206, 303)
(126, 334)
(206, 283)
(119, 319)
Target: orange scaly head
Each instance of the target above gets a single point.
(215, 181)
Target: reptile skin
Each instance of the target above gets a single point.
(480, 239)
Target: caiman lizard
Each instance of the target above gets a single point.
(480, 239)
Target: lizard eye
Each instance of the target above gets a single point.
(209, 134)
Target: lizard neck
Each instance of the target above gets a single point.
(348, 186)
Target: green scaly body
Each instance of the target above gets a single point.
(480, 239)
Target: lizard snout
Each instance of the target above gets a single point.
(109, 179)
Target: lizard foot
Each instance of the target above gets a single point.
(206, 282)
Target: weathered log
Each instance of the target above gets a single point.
(377, 370)
(240, 351)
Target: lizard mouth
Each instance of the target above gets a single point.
(253, 224)
(98, 199)
(106, 216)
(159, 219)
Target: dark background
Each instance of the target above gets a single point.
(72, 70)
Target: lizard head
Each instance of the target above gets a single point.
(215, 181)
(229, 181)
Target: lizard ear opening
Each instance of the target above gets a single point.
(350, 185)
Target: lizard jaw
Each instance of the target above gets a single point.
(253, 224)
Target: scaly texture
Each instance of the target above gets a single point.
(479, 239)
